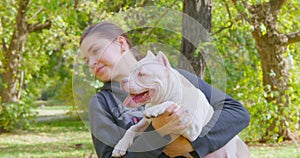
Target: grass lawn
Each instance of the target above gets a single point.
(69, 138)
(282, 150)
(60, 138)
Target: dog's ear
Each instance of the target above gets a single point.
(163, 59)
(150, 54)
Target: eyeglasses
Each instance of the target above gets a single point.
(98, 52)
(105, 47)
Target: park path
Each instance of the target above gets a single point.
(45, 115)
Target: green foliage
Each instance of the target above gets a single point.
(294, 89)
(48, 56)
(61, 44)
(244, 74)
(57, 48)
(15, 116)
(65, 93)
(289, 17)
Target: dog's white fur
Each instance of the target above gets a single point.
(167, 87)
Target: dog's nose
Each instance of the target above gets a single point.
(125, 80)
(124, 84)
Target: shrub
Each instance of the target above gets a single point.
(14, 116)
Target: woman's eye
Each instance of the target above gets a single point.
(95, 54)
(140, 74)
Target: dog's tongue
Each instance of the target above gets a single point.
(129, 102)
(133, 101)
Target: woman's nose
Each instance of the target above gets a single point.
(92, 62)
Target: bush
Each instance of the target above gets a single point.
(268, 119)
(14, 116)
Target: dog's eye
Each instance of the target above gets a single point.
(140, 74)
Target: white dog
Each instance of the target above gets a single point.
(155, 83)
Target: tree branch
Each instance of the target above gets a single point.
(36, 13)
(39, 26)
(293, 37)
(276, 5)
(76, 4)
(4, 45)
(23, 6)
(243, 13)
(156, 23)
(230, 20)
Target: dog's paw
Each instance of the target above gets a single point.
(121, 148)
(153, 113)
(149, 116)
(157, 110)
(118, 153)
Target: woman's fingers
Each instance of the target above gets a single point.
(178, 120)
(173, 120)
(180, 115)
(170, 110)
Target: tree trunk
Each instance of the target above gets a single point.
(271, 46)
(275, 81)
(199, 10)
(13, 76)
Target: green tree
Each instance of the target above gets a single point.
(12, 48)
(272, 45)
(255, 36)
(14, 35)
(33, 34)
(39, 42)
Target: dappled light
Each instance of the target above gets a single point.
(246, 49)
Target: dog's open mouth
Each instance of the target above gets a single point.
(134, 100)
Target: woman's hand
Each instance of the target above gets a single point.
(172, 121)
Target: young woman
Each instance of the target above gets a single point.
(105, 48)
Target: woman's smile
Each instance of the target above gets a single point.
(99, 69)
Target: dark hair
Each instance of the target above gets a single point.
(109, 31)
(106, 30)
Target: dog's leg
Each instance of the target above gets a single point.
(235, 148)
(127, 140)
(242, 149)
(156, 110)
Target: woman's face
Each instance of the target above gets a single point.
(102, 55)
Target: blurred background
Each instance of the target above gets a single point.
(257, 40)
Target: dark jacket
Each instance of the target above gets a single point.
(109, 121)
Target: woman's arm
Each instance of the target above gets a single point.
(106, 134)
(229, 118)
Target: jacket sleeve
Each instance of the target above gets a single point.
(106, 134)
(229, 118)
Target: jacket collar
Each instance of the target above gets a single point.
(114, 87)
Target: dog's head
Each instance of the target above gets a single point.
(147, 81)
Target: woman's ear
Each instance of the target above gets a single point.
(123, 43)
